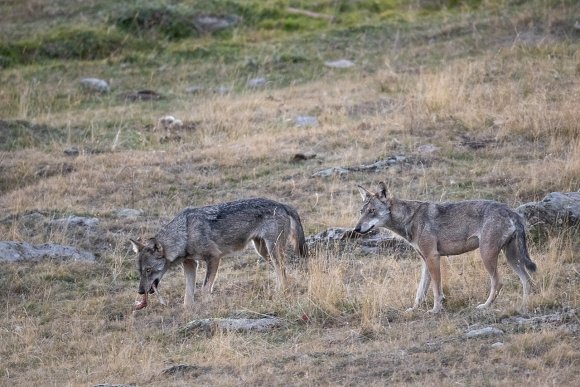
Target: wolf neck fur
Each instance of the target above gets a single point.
(403, 213)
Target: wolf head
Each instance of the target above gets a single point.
(376, 210)
(151, 263)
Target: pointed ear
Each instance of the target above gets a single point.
(364, 194)
(384, 191)
(159, 248)
(137, 246)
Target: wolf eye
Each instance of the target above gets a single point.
(148, 270)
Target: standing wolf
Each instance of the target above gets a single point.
(212, 232)
(436, 229)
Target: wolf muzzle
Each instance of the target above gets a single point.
(358, 229)
(155, 284)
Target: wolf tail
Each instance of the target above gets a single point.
(523, 246)
(297, 232)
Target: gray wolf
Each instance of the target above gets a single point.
(453, 228)
(212, 232)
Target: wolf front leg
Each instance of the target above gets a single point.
(422, 288)
(433, 263)
(190, 272)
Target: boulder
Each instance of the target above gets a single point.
(374, 242)
(377, 166)
(484, 332)
(233, 324)
(25, 252)
(556, 210)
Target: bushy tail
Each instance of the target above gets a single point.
(523, 246)
(297, 232)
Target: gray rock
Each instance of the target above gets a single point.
(25, 252)
(553, 319)
(302, 121)
(556, 210)
(129, 213)
(256, 82)
(114, 385)
(75, 221)
(96, 84)
(72, 151)
(497, 344)
(332, 171)
(183, 369)
(376, 241)
(483, 332)
(209, 23)
(234, 324)
(374, 167)
(427, 149)
(194, 89)
(222, 90)
(339, 64)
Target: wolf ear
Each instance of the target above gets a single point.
(384, 192)
(137, 246)
(159, 248)
(364, 194)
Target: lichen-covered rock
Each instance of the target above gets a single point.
(374, 242)
(11, 251)
(556, 210)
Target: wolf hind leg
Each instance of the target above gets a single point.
(517, 262)
(260, 246)
(272, 249)
(489, 257)
(213, 263)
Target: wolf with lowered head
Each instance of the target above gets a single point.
(452, 228)
(212, 232)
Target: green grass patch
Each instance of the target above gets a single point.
(66, 43)
(23, 134)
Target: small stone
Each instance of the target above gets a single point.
(256, 82)
(129, 213)
(427, 149)
(487, 331)
(194, 89)
(72, 151)
(209, 23)
(96, 84)
(339, 64)
(222, 90)
(302, 121)
(76, 221)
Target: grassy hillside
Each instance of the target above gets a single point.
(480, 97)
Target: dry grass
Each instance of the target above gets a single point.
(72, 324)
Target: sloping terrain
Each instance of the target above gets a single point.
(444, 100)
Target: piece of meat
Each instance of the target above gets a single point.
(141, 304)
